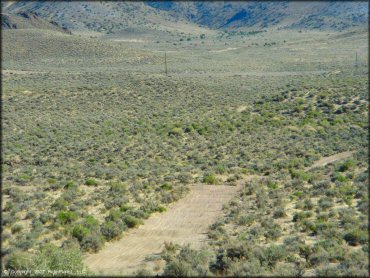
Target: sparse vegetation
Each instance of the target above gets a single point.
(96, 139)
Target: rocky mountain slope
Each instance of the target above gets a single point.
(114, 17)
(29, 20)
(229, 14)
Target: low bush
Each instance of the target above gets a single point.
(132, 221)
(279, 213)
(16, 228)
(356, 237)
(210, 179)
(274, 254)
(188, 263)
(91, 182)
(112, 230)
(66, 217)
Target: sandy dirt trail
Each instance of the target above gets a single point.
(185, 221)
(330, 159)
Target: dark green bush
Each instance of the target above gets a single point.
(356, 237)
(80, 232)
(347, 165)
(118, 187)
(188, 263)
(112, 230)
(279, 213)
(132, 221)
(16, 228)
(210, 179)
(91, 182)
(274, 254)
(92, 242)
(66, 217)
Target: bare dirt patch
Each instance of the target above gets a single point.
(224, 50)
(184, 222)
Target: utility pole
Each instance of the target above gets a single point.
(165, 63)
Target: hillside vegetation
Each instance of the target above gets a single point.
(97, 138)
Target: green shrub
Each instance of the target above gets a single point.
(16, 228)
(272, 185)
(273, 232)
(247, 268)
(299, 174)
(318, 256)
(245, 220)
(347, 165)
(31, 214)
(274, 254)
(45, 217)
(237, 251)
(114, 215)
(176, 131)
(308, 205)
(60, 204)
(299, 216)
(339, 177)
(18, 261)
(210, 179)
(188, 263)
(309, 227)
(51, 258)
(132, 221)
(111, 230)
(166, 186)
(118, 187)
(90, 222)
(66, 217)
(80, 232)
(336, 251)
(91, 182)
(177, 268)
(279, 213)
(356, 263)
(92, 242)
(356, 237)
(221, 170)
(329, 271)
(69, 184)
(161, 209)
(325, 203)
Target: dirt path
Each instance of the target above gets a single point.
(185, 221)
(224, 50)
(330, 159)
(247, 73)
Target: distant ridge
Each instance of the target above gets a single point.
(29, 20)
(114, 17)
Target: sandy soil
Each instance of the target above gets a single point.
(185, 221)
(129, 40)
